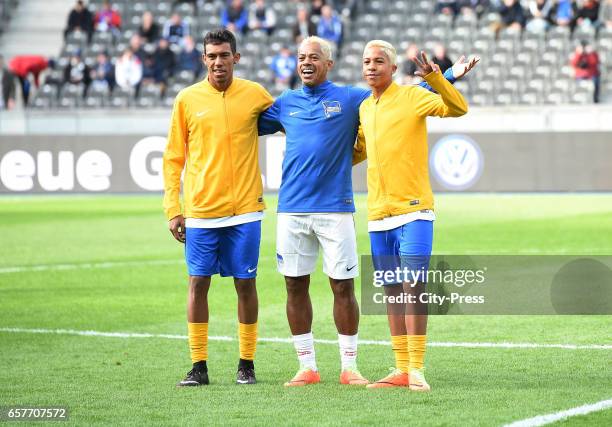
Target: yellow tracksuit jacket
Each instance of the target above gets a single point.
(394, 130)
(213, 137)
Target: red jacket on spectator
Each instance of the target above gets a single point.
(22, 65)
(114, 18)
(586, 65)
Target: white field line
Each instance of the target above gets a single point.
(562, 415)
(504, 345)
(110, 264)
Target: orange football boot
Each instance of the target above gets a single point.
(396, 378)
(304, 377)
(352, 377)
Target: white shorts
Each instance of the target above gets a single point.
(298, 238)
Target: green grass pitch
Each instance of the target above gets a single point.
(131, 381)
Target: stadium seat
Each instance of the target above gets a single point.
(518, 72)
(556, 98)
(581, 98)
(68, 102)
(504, 98)
(584, 33)
(144, 101)
(511, 85)
(537, 85)
(529, 98)
(466, 21)
(94, 101)
(557, 32)
(480, 99)
(119, 100)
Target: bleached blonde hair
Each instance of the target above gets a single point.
(386, 47)
(326, 48)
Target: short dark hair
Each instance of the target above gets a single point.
(220, 36)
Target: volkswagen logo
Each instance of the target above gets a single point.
(456, 162)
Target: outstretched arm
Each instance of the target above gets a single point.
(449, 102)
(456, 72)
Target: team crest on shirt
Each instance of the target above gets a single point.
(330, 107)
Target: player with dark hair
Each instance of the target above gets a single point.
(213, 139)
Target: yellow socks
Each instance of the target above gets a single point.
(198, 341)
(247, 334)
(416, 350)
(399, 344)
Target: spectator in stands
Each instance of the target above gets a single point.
(441, 59)
(303, 27)
(148, 70)
(330, 27)
(473, 7)
(24, 65)
(77, 72)
(316, 7)
(128, 71)
(107, 19)
(102, 74)
(562, 13)
(165, 62)
(80, 19)
(235, 17)
(512, 15)
(606, 14)
(190, 58)
(447, 7)
(283, 66)
(149, 29)
(262, 17)
(539, 11)
(137, 48)
(587, 15)
(175, 29)
(585, 63)
(409, 66)
(7, 87)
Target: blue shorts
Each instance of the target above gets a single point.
(229, 251)
(408, 246)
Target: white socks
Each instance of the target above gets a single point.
(304, 346)
(348, 351)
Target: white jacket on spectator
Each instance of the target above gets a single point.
(128, 71)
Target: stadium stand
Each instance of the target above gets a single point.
(518, 67)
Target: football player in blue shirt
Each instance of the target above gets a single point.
(315, 207)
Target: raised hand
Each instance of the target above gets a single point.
(462, 67)
(424, 66)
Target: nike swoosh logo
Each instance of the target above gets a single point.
(349, 269)
(293, 113)
(250, 270)
(201, 113)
